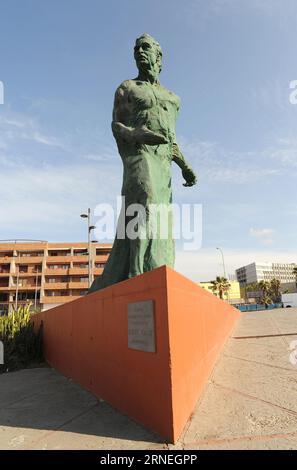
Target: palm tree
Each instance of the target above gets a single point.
(266, 300)
(275, 290)
(265, 288)
(220, 285)
(252, 287)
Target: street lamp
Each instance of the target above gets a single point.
(17, 279)
(221, 251)
(223, 261)
(36, 286)
(90, 263)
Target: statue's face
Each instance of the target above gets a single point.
(145, 54)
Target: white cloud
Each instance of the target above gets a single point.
(16, 127)
(38, 195)
(262, 232)
(42, 139)
(263, 235)
(218, 164)
(41, 193)
(267, 241)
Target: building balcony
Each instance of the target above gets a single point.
(79, 285)
(65, 285)
(58, 299)
(101, 258)
(98, 271)
(56, 271)
(23, 288)
(5, 259)
(59, 259)
(80, 258)
(78, 271)
(55, 285)
(23, 275)
(28, 259)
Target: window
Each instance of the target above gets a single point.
(23, 269)
(31, 253)
(59, 253)
(50, 293)
(5, 254)
(82, 252)
(4, 268)
(58, 266)
(102, 252)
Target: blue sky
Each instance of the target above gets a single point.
(230, 61)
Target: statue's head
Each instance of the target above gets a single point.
(148, 53)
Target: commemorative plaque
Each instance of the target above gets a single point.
(141, 326)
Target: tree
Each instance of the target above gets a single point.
(275, 290)
(266, 290)
(264, 286)
(252, 287)
(266, 300)
(221, 286)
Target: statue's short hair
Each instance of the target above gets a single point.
(156, 44)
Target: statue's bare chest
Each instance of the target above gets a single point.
(145, 96)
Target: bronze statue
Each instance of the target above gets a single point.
(144, 117)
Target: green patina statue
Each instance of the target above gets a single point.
(143, 125)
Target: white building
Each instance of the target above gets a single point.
(256, 272)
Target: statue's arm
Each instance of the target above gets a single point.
(139, 135)
(187, 171)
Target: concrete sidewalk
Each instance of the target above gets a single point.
(249, 403)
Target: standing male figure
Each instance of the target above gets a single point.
(144, 118)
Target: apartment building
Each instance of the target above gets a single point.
(256, 272)
(47, 274)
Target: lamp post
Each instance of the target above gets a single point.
(17, 280)
(225, 276)
(90, 262)
(36, 284)
(221, 251)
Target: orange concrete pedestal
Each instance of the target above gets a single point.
(87, 340)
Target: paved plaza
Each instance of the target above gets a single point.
(249, 402)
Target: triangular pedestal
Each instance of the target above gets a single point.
(152, 368)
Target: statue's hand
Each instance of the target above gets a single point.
(139, 135)
(189, 176)
(149, 137)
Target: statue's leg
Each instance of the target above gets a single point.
(116, 268)
(154, 247)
